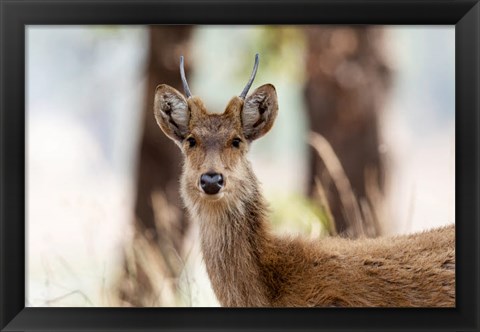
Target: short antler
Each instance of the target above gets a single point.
(184, 79)
(252, 77)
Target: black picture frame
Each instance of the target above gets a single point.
(16, 14)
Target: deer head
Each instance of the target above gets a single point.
(215, 145)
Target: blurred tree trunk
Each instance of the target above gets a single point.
(160, 223)
(159, 162)
(347, 79)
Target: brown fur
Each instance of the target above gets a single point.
(250, 266)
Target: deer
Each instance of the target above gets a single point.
(247, 263)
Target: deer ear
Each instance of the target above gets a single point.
(171, 112)
(259, 112)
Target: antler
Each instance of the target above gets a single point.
(252, 77)
(184, 80)
(242, 95)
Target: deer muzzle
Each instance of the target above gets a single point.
(211, 183)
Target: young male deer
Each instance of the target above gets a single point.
(246, 263)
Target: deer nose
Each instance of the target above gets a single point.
(211, 183)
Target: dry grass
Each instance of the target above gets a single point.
(362, 217)
(151, 266)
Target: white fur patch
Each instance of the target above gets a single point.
(178, 108)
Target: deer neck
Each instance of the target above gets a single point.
(234, 237)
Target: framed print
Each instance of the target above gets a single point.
(198, 165)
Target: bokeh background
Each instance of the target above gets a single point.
(364, 145)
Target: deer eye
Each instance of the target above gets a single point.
(191, 142)
(236, 142)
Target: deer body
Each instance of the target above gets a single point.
(247, 264)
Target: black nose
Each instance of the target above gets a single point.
(211, 183)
